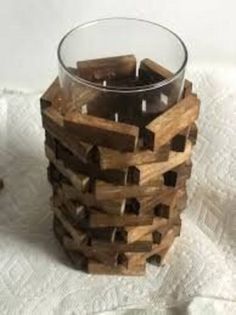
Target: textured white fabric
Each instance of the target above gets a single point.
(199, 276)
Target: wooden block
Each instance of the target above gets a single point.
(78, 260)
(134, 234)
(152, 72)
(147, 204)
(113, 206)
(97, 268)
(178, 143)
(107, 191)
(140, 246)
(106, 255)
(102, 235)
(165, 243)
(72, 165)
(50, 95)
(150, 173)
(81, 182)
(78, 236)
(193, 133)
(107, 68)
(118, 176)
(171, 208)
(74, 209)
(109, 159)
(54, 124)
(104, 220)
(178, 175)
(134, 260)
(91, 101)
(102, 132)
(166, 126)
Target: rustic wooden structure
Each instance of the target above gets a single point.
(118, 186)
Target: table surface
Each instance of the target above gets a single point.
(199, 272)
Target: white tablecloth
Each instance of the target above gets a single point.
(200, 272)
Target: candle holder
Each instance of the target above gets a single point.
(120, 128)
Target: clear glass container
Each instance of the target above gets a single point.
(122, 69)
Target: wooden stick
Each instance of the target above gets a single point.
(81, 182)
(109, 159)
(178, 175)
(147, 204)
(107, 68)
(117, 176)
(140, 246)
(106, 256)
(150, 173)
(178, 143)
(50, 95)
(166, 126)
(103, 132)
(134, 259)
(165, 243)
(106, 191)
(115, 206)
(75, 209)
(134, 234)
(105, 220)
(155, 72)
(53, 122)
(97, 268)
(77, 236)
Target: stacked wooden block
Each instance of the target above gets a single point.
(119, 185)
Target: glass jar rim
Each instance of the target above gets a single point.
(141, 88)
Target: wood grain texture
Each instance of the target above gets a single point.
(178, 142)
(140, 246)
(81, 182)
(105, 220)
(54, 124)
(114, 206)
(50, 95)
(102, 132)
(110, 68)
(165, 243)
(178, 175)
(107, 191)
(150, 173)
(77, 236)
(166, 126)
(74, 209)
(154, 72)
(100, 269)
(134, 234)
(106, 256)
(71, 162)
(109, 159)
(147, 204)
